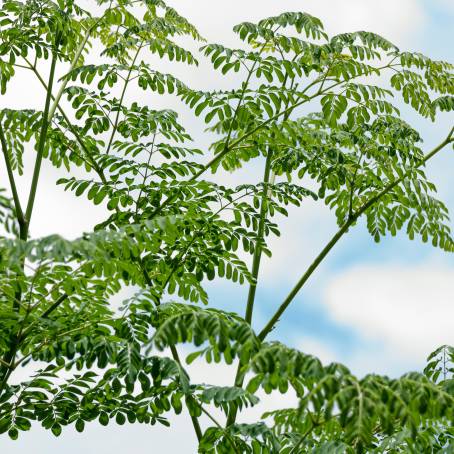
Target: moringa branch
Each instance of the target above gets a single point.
(338, 235)
(12, 182)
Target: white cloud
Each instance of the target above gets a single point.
(303, 234)
(407, 311)
(364, 359)
(446, 5)
(317, 348)
(96, 439)
(398, 21)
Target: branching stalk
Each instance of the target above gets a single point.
(122, 96)
(48, 113)
(94, 165)
(194, 419)
(41, 144)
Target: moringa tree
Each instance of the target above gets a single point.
(314, 109)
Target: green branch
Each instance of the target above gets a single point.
(268, 176)
(12, 182)
(242, 94)
(239, 377)
(48, 113)
(41, 144)
(338, 235)
(24, 227)
(258, 242)
(194, 419)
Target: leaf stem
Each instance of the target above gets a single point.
(286, 112)
(176, 357)
(123, 93)
(194, 419)
(76, 57)
(218, 424)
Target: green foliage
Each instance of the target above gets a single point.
(227, 334)
(322, 111)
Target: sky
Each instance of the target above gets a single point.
(375, 307)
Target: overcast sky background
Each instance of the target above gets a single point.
(377, 308)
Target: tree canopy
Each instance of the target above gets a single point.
(319, 112)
